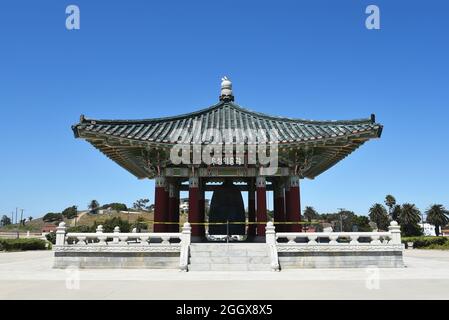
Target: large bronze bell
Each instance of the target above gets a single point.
(227, 205)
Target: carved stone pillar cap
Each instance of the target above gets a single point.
(261, 182)
(193, 182)
(293, 181)
(161, 181)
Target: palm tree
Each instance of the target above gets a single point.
(409, 218)
(437, 215)
(390, 202)
(310, 213)
(396, 212)
(30, 218)
(94, 206)
(379, 215)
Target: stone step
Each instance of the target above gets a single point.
(197, 247)
(229, 257)
(229, 260)
(229, 267)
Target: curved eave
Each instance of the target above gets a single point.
(122, 140)
(222, 104)
(123, 155)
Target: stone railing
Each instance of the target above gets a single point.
(373, 240)
(335, 249)
(117, 241)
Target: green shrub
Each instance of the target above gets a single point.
(110, 224)
(81, 228)
(23, 244)
(51, 237)
(115, 206)
(444, 246)
(70, 212)
(52, 217)
(425, 242)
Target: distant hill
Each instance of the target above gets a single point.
(87, 219)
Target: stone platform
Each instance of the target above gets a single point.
(281, 250)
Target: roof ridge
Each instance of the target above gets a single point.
(234, 105)
(371, 119)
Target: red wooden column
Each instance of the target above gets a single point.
(160, 204)
(173, 207)
(194, 212)
(279, 206)
(286, 227)
(261, 205)
(176, 215)
(251, 209)
(294, 213)
(201, 209)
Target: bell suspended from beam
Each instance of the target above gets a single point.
(227, 205)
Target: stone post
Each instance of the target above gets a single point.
(185, 245)
(116, 234)
(186, 232)
(60, 234)
(102, 239)
(395, 231)
(270, 233)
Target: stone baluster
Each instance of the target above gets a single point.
(60, 234)
(116, 235)
(81, 241)
(144, 240)
(395, 231)
(333, 239)
(291, 239)
(270, 233)
(312, 239)
(165, 239)
(354, 239)
(123, 239)
(375, 239)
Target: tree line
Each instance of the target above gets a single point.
(379, 217)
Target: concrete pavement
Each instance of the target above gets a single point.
(29, 275)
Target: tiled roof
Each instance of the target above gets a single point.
(227, 115)
(125, 141)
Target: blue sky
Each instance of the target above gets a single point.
(143, 59)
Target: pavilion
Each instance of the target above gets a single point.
(170, 150)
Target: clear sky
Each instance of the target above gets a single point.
(142, 59)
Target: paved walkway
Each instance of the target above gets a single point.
(29, 275)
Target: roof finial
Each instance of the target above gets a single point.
(226, 90)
